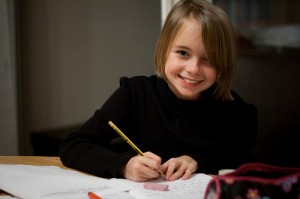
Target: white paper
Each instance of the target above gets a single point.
(51, 182)
(7, 197)
(193, 188)
(117, 195)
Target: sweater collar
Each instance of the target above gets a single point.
(180, 106)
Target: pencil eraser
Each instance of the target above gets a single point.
(156, 186)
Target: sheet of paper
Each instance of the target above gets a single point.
(117, 195)
(193, 188)
(51, 182)
(7, 197)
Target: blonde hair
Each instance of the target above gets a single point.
(218, 37)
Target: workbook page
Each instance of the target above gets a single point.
(193, 188)
(51, 182)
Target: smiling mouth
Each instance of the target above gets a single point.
(189, 81)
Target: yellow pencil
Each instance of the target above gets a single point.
(125, 138)
(128, 141)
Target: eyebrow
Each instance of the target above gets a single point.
(182, 47)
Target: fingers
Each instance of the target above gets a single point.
(143, 168)
(175, 169)
(187, 174)
(181, 167)
(153, 161)
(148, 167)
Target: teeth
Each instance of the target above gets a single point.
(190, 81)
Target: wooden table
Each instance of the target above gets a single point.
(30, 160)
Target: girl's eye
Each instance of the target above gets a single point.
(183, 53)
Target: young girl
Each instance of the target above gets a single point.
(186, 119)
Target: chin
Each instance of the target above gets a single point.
(189, 97)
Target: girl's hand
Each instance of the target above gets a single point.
(181, 167)
(143, 168)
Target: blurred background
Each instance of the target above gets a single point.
(61, 59)
(265, 26)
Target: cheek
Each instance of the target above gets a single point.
(169, 65)
(211, 74)
(173, 62)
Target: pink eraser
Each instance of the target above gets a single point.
(156, 186)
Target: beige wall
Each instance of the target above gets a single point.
(74, 51)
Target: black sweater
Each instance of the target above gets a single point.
(216, 134)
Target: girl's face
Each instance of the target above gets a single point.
(187, 69)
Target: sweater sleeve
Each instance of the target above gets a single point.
(88, 148)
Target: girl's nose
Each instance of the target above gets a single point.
(193, 66)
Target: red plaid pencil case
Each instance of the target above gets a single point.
(256, 181)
